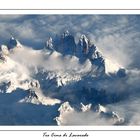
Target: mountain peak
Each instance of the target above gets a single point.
(13, 42)
(65, 43)
(49, 44)
(66, 33)
(4, 50)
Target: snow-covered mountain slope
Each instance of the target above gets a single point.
(63, 73)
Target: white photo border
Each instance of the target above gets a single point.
(37, 132)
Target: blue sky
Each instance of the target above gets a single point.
(117, 36)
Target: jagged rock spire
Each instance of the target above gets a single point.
(66, 44)
(84, 44)
(13, 43)
(4, 50)
(66, 33)
(49, 44)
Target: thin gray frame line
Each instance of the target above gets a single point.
(67, 9)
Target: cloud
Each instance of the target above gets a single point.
(129, 110)
(120, 89)
(5, 18)
(128, 90)
(85, 118)
(25, 31)
(116, 36)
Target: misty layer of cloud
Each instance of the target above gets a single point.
(50, 62)
(117, 36)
